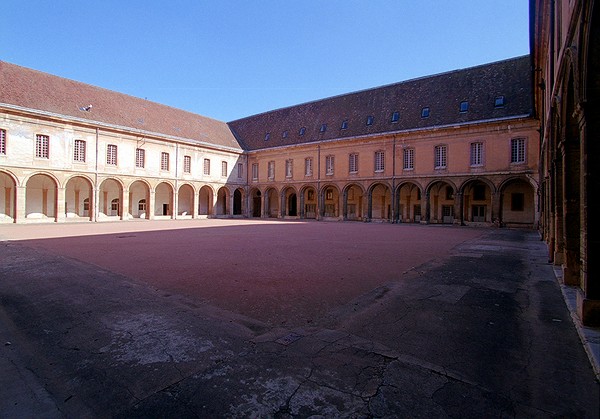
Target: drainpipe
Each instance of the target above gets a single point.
(394, 206)
(175, 194)
(96, 203)
(319, 182)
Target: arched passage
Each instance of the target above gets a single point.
(163, 200)
(238, 195)
(256, 203)
(78, 198)
(7, 198)
(271, 203)
(109, 199)
(440, 203)
(353, 203)
(222, 207)
(139, 199)
(409, 203)
(517, 203)
(330, 197)
(477, 202)
(380, 202)
(205, 201)
(289, 201)
(40, 197)
(308, 203)
(185, 200)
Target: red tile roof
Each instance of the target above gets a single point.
(441, 93)
(44, 92)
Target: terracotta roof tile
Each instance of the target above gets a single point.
(442, 93)
(40, 91)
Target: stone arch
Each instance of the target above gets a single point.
(330, 199)
(477, 201)
(380, 202)
(353, 202)
(185, 200)
(517, 203)
(41, 197)
(8, 195)
(139, 199)
(271, 201)
(222, 207)
(163, 200)
(409, 199)
(440, 206)
(109, 190)
(238, 200)
(205, 200)
(289, 202)
(308, 202)
(79, 202)
(255, 202)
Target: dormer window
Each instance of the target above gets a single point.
(344, 125)
(323, 128)
(284, 134)
(464, 106)
(302, 131)
(370, 120)
(267, 136)
(396, 116)
(499, 102)
(425, 112)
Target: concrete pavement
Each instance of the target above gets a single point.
(478, 330)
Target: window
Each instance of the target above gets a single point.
(353, 163)
(111, 154)
(308, 166)
(370, 120)
(42, 146)
(284, 134)
(517, 150)
(396, 116)
(477, 154)
(302, 131)
(289, 168)
(142, 205)
(254, 171)
(409, 159)
(440, 157)
(164, 161)
(2, 141)
(114, 205)
(224, 169)
(187, 164)
(344, 124)
(323, 128)
(206, 167)
(499, 102)
(240, 170)
(271, 170)
(425, 113)
(464, 106)
(329, 162)
(140, 158)
(517, 202)
(379, 161)
(86, 204)
(79, 151)
(267, 136)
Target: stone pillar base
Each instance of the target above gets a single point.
(588, 310)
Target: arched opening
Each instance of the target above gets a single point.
(205, 201)
(163, 200)
(185, 201)
(222, 207)
(331, 201)
(477, 202)
(271, 203)
(441, 203)
(139, 197)
(110, 190)
(309, 198)
(237, 202)
(353, 203)
(7, 198)
(380, 203)
(40, 198)
(517, 204)
(409, 200)
(256, 203)
(77, 190)
(289, 202)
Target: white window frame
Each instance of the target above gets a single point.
(379, 161)
(140, 158)
(42, 146)
(240, 170)
(254, 171)
(164, 161)
(206, 167)
(223, 168)
(289, 168)
(476, 155)
(517, 151)
(408, 159)
(111, 154)
(79, 151)
(271, 170)
(3, 142)
(440, 156)
(329, 165)
(187, 164)
(353, 163)
(308, 166)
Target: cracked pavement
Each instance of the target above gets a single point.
(480, 330)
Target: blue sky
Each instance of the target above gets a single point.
(228, 59)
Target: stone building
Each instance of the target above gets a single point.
(459, 147)
(565, 45)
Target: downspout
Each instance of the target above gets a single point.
(319, 199)
(96, 203)
(176, 194)
(394, 197)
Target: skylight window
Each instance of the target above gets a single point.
(425, 112)
(464, 106)
(370, 120)
(499, 102)
(323, 128)
(267, 136)
(396, 116)
(344, 125)
(302, 131)
(284, 134)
